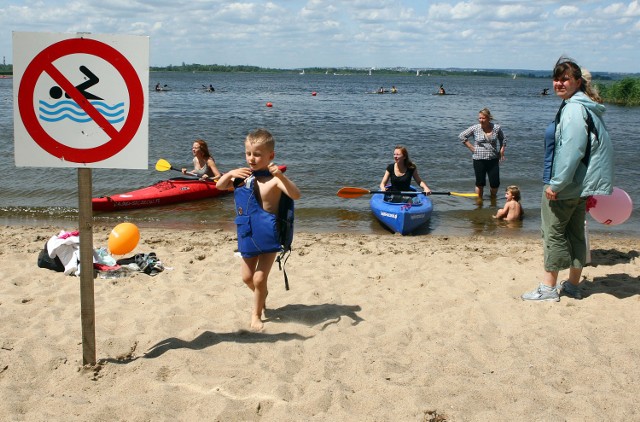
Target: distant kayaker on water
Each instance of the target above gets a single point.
(401, 172)
(204, 166)
(258, 191)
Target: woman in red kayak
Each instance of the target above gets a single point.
(204, 166)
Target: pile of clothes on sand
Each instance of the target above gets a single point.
(62, 253)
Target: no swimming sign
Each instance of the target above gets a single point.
(81, 100)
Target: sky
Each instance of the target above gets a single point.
(602, 36)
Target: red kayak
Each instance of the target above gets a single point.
(165, 192)
(162, 193)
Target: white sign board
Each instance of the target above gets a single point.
(81, 100)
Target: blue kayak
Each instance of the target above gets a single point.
(402, 214)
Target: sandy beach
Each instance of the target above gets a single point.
(374, 328)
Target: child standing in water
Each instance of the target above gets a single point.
(257, 193)
(512, 210)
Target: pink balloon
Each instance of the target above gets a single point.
(610, 209)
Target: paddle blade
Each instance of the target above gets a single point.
(464, 195)
(163, 165)
(349, 192)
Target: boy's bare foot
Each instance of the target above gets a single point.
(256, 323)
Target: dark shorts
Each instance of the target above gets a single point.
(491, 168)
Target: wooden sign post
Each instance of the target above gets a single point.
(87, 303)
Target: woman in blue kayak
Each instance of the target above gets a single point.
(401, 172)
(204, 166)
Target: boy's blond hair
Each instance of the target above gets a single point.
(261, 137)
(515, 191)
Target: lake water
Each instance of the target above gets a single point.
(343, 136)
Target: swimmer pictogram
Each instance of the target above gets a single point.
(69, 110)
(56, 91)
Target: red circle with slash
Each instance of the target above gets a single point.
(43, 63)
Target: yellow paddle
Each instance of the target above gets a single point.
(350, 192)
(164, 165)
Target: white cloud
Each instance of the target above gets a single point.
(567, 11)
(439, 11)
(621, 9)
(615, 9)
(517, 12)
(468, 11)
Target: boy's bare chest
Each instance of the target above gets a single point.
(269, 195)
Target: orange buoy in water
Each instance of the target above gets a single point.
(269, 104)
(314, 93)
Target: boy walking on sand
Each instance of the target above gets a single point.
(257, 193)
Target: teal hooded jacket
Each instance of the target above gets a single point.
(570, 176)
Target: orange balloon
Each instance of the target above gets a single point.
(123, 238)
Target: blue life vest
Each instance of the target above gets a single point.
(257, 228)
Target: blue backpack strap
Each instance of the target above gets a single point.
(281, 260)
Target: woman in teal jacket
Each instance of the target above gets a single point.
(578, 163)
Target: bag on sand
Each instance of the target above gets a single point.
(45, 261)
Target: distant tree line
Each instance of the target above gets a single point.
(334, 70)
(6, 69)
(504, 73)
(211, 68)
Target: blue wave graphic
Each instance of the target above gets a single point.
(66, 109)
